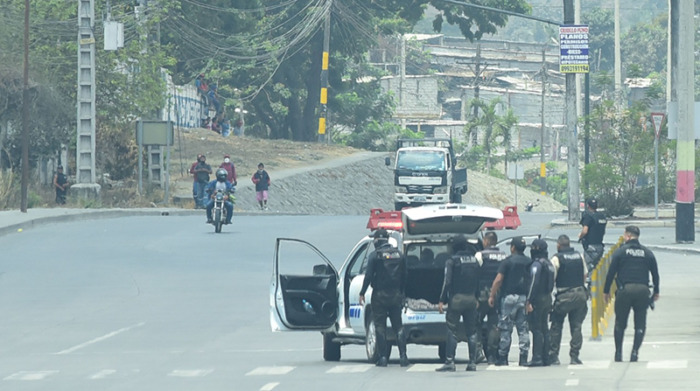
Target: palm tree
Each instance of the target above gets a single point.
(492, 124)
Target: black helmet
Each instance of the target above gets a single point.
(221, 175)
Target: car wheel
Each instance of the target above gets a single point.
(371, 342)
(331, 350)
(442, 351)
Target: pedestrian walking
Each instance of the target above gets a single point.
(630, 267)
(592, 232)
(386, 273)
(570, 300)
(262, 183)
(514, 277)
(539, 302)
(460, 288)
(487, 320)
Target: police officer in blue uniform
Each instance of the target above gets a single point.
(631, 265)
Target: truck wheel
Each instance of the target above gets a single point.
(442, 351)
(331, 350)
(456, 197)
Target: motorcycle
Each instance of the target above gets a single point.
(220, 213)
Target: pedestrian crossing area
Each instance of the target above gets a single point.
(276, 371)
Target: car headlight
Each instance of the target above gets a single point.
(400, 189)
(440, 190)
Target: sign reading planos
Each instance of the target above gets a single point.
(573, 49)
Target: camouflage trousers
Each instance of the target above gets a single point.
(571, 303)
(513, 312)
(592, 255)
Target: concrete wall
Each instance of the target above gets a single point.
(185, 105)
(419, 98)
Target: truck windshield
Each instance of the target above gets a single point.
(421, 160)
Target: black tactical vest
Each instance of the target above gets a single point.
(517, 279)
(390, 269)
(634, 264)
(570, 274)
(596, 231)
(491, 257)
(465, 274)
(546, 281)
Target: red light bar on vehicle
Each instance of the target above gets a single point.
(378, 218)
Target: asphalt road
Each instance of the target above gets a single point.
(163, 303)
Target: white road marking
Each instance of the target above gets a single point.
(422, 368)
(190, 372)
(591, 364)
(103, 373)
(571, 382)
(269, 386)
(30, 375)
(99, 339)
(668, 364)
(506, 368)
(270, 371)
(349, 369)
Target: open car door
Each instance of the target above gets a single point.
(304, 288)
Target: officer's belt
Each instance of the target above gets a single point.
(569, 289)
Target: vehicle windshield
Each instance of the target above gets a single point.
(421, 160)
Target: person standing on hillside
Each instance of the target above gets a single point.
(230, 169)
(631, 265)
(262, 183)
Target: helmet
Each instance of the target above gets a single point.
(221, 175)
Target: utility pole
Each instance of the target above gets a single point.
(25, 114)
(543, 166)
(324, 77)
(682, 99)
(570, 113)
(86, 186)
(618, 59)
(477, 83)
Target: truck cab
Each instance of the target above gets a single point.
(425, 172)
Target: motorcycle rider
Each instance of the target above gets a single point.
(220, 183)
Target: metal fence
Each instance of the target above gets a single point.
(600, 312)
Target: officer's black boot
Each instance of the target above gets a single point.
(401, 342)
(619, 335)
(537, 349)
(545, 349)
(638, 338)
(472, 343)
(502, 360)
(523, 359)
(480, 357)
(382, 353)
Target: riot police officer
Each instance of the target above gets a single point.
(631, 264)
(460, 287)
(514, 276)
(591, 236)
(490, 258)
(539, 302)
(387, 273)
(571, 297)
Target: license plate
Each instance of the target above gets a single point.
(419, 199)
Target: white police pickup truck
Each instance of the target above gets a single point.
(328, 299)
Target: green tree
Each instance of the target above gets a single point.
(491, 125)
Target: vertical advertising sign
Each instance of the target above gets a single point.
(573, 49)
